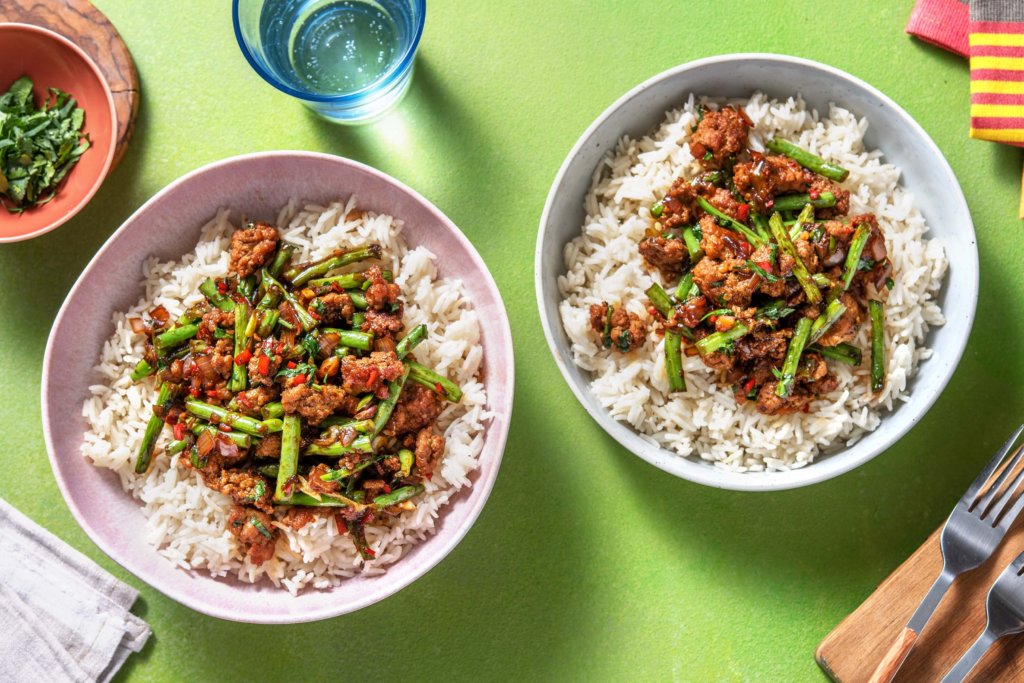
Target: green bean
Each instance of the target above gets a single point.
(153, 428)
(808, 160)
(176, 446)
(305, 319)
(397, 496)
(803, 276)
(362, 444)
(659, 299)
(411, 340)
(175, 336)
(210, 291)
(385, 407)
(674, 361)
(359, 301)
(806, 215)
(716, 340)
(284, 254)
(792, 362)
(833, 312)
(345, 472)
(795, 202)
(877, 345)
(730, 222)
(860, 239)
(239, 378)
(303, 276)
(240, 439)
(288, 465)
(692, 245)
(267, 322)
(237, 421)
(844, 353)
(686, 289)
(433, 380)
(406, 459)
(272, 409)
(142, 369)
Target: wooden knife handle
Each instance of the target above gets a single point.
(890, 664)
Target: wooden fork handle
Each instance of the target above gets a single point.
(890, 664)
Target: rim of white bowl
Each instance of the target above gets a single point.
(375, 593)
(700, 472)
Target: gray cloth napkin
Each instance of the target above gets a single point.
(62, 617)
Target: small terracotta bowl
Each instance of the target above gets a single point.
(53, 61)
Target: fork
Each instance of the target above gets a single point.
(978, 523)
(1005, 609)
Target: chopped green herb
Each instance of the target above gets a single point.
(889, 283)
(257, 491)
(717, 311)
(310, 344)
(776, 310)
(657, 210)
(38, 147)
(768, 277)
(260, 528)
(708, 156)
(299, 369)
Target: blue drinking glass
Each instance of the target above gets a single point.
(348, 60)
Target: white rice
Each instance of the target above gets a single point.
(603, 264)
(186, 520)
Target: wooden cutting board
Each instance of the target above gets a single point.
(851, 651)
(84, 25)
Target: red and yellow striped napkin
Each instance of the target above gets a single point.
(991, 34)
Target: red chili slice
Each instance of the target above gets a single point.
(244, 357)
(743, 212)
(264, 365)
(298, 379)
(179, 431)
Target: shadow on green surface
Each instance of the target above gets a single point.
(392, 142)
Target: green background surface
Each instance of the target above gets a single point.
(587, 563)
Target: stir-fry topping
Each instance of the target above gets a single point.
(773, 277)
(293, 389)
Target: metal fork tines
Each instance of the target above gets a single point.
(1005, 609)
(978, 523)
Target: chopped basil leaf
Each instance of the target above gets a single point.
(310, 344)
(776, 310)
(38, 147)
(299, 369)
(260, 528)
(768, 277)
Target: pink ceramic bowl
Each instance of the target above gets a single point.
(53, 61)
(168, 226)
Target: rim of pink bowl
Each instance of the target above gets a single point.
(105, 170)
(374, 594)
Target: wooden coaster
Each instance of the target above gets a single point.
(855, 647)
(81, 23)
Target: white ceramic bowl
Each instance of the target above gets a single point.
(167, 226)
(901, 139)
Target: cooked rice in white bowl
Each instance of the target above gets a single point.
(604, 264)
(187, 521)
